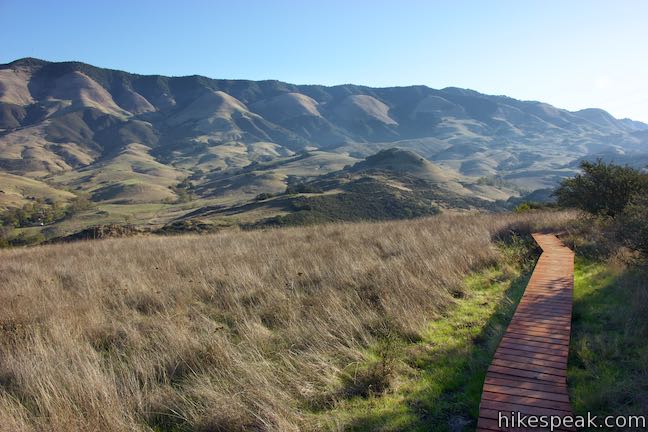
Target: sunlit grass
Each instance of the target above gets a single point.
(437, 381)
(259, 330)
(608, 362)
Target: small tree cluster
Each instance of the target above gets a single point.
(264, 196)
(34, 213)
(38, 212)
(603, 189)
(619, 193)
(184, 191)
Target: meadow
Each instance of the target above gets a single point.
(239, 330)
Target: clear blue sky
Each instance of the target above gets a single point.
(573, 54)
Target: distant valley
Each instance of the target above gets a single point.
(171, 153)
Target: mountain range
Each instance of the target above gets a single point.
(156, 150)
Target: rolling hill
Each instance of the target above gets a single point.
(155, 149)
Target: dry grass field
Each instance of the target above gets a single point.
(225, 332)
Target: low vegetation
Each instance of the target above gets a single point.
(368, 201)
(184, 191)
(369, 197)
(608, 361)
(260, 330)
(602, 189)
(615, 197)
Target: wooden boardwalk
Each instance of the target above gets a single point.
(528, 372)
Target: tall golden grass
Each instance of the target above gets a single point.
(223, 332)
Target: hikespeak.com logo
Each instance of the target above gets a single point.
(515, 419)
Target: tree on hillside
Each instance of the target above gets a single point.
(602, 188)
(78, 204)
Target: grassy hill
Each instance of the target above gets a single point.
(16, 191)
(309, 187)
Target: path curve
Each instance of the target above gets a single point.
(528, 372)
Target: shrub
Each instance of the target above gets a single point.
(617, 196)
(302, 188)
(184, 192)
(633, 226)
(526, 206)
(523, 207)
(78, 204)
(264, 196)
(602, 189)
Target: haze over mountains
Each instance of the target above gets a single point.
(131, 140)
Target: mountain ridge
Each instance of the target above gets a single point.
(128, 140)
(347, 113)
(32, 61)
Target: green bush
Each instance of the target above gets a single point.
(523, 207)
(633, 224)
(617, 196)
(532, 205)
(602, 189)
(78, 204)
(264, 196)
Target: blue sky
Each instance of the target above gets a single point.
(573, 54)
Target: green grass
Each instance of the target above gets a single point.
(436, 382)
(608, 362)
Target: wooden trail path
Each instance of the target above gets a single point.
(528, 372)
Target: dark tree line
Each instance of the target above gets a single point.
(42, 212)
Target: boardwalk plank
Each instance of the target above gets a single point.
(494, 388)
(535, 361)
(532, 355)
(526, 400)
